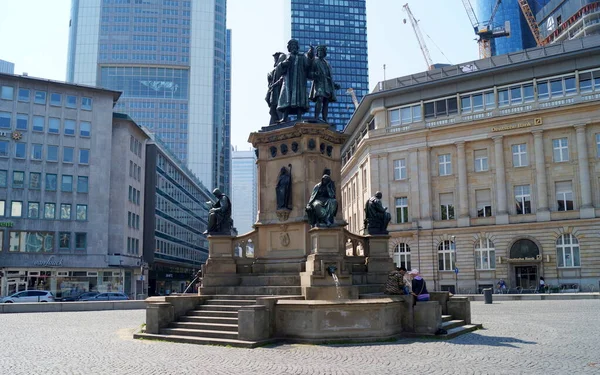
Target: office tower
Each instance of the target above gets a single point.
(342, 26)
(570, 19)
(227, 129)
(168, 59)
(7, 67)
(244, 199)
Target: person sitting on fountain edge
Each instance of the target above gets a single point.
(395, 283)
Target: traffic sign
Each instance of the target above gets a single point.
(456, 270)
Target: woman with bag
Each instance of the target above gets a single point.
(419, 287)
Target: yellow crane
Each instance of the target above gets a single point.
(530, 18)
(486, 31)
(415, 25)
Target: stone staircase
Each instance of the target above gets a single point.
(214, 323)
(265, 284)
(456, 327)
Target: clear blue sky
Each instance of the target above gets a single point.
(34, 36)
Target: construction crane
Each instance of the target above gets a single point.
(417, 30)
(351, 92)
(533, 26)
(486, 31)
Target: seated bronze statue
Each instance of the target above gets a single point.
(376, 216)
(219, 216)
(322, 205)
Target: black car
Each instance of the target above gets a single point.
(79, 297)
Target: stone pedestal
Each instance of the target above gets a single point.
(379, 262)
(220, 268)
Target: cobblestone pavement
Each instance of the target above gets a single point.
(521, 337)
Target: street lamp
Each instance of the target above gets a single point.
(455, 266)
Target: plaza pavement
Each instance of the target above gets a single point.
(520, 337)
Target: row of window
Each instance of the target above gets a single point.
(43, 242)
(181, 183)
(135, 171)
(567, 254)
(179, 251)
(51, 181)
(133, 220)
(134, 195)
(15, 209)
(135, 146)
(38, 124)
(133, 246)
(40, 97)
(37, 152)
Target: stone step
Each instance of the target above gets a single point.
(270, 280)
(213, 314)
(236, 297)
(200, 333)
(230, 308)
(205, 326)
(454, 332)
(202, 340)
(447, 325)
(446, 318)
(230, 302)
(253, 290)
(208, 319)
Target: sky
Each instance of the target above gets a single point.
(34, 36)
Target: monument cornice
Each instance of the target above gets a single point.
(297, 130)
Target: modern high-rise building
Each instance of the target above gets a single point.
(7, 67)
(227, 130)
(561, 20)
(342, 27)
(244, 200)
(168, 58)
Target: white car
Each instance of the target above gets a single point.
(29, 296)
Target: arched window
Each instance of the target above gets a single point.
(485, 254)
(567, 251)
(446, 254)
(402, 255)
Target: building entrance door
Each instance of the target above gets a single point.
(526, 277)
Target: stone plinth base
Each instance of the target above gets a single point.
(220, 268)
(327, 240)
(379, 263)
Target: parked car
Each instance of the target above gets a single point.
(29, 296)
(79, 297)
(106, 297)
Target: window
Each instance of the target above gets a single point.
(24, 95)
(485, 255)
(598, 145)
(68, 154)
(31, 242)
(22, 122)
(402, 210)
(35, 180)
(55, 99)
(520, 155)
(80, 241)
(65, 211)
(36, 151)
(4, 148)
(52, 153)
(66, 183)
(16, 209)
(481, 160)
(405, 115)
(560, 150)
(84, 156)
(7, 92)
(71, 101)
(81, 212)
(442, 107)
(50, 182)
(49, 211)
(523, 199)
(446, 206)
(40, 97)
(64, 240)
(567, 251)
(483, 200)
(86, 103)
(477, 102)
(5, 120)
(446, 254)
(402, 256)
(400, 169)
(69, 127)
(18, 179)
(85, 129)
(2, 207)
(564, 196)
(38, 124)
(82, 184)
(3, 177)
(20, 150)
(54, 125)
(33, 210)
(445, 162)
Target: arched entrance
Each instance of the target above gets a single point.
(525, 261)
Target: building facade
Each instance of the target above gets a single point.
(489, 174)
(561, 20)
(342, 26)
(244, 198)
(168, 59)
(7, 67)
(176, 217)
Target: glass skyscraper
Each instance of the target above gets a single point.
(342, 26)
(168, 57)
(244, 201)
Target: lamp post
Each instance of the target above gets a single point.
(455, 266)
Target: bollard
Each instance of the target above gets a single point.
(487, 294)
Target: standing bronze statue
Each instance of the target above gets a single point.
(376, 216)
(283, 190)
(322, 91)
(296, 68)
(275, 80)
(219, 215)
(322, 205)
